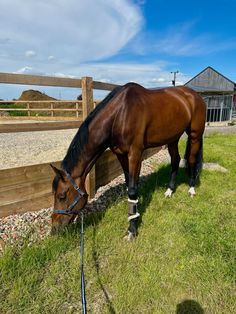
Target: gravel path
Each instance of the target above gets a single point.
(21, 149)
(29, 148)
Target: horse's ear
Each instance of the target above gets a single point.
(58, 172)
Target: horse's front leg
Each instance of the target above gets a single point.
(135, 159)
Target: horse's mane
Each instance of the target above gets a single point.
(81, 137)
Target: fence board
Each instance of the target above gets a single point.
(34, 204)
(25, 79)
(37, 126)
(22, 188)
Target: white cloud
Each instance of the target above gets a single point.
(25, 70)
(29, 70)
(181, 40)
(51, 58)
(30, 53)
(71, 31)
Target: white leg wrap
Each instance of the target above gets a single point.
(191, 191)
(133, 201)
(136, 215)
(168, 193)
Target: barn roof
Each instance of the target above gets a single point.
(211, 80)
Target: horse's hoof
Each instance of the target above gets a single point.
(192, 192)
(130, 236)
(168, 193)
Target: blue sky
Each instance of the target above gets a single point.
(115, 41)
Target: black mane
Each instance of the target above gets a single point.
(81, 137)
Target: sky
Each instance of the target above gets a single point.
(115, 41)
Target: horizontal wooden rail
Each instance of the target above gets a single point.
(38, 126)
(25, 79)
(41, 101)
(37, 106)
(42, 109)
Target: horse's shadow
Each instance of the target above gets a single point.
(148, 184)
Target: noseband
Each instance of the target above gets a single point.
(69, 210)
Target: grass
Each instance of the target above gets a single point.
(183, 260)
(14, 112)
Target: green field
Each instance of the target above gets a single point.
(183, 260)
(15, 112)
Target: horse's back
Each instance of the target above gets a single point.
(157, 117)
(173, 100)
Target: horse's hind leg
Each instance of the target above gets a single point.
(194, 160)
(175, 159)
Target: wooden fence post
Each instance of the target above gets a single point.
(52, 107)
(28, 107)
(77, 110)
(88, 106)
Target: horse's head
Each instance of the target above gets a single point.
(69, 198)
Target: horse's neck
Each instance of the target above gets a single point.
(95, 146)
(98, 140)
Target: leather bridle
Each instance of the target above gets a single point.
(69, 210)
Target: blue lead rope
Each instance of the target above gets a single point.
(82, 279)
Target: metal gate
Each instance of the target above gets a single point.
(219, 108)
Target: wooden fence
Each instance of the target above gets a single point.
(45, 107)
(29, 188)
(57, 115)
(87, 84)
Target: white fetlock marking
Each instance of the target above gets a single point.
(191, 191)
(168, 193)
(129, 236)
(133, 201)
(136, 215)
(183, 163)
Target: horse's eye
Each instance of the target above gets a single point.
(61, 197)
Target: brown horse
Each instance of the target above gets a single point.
(129, 120)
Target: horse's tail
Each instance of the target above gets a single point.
(199, 156)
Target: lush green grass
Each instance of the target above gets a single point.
(18, 113)
(16, 106)
(185, 251)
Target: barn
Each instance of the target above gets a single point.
(218, 92)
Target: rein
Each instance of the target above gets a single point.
(82, 279)
(69, 211)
